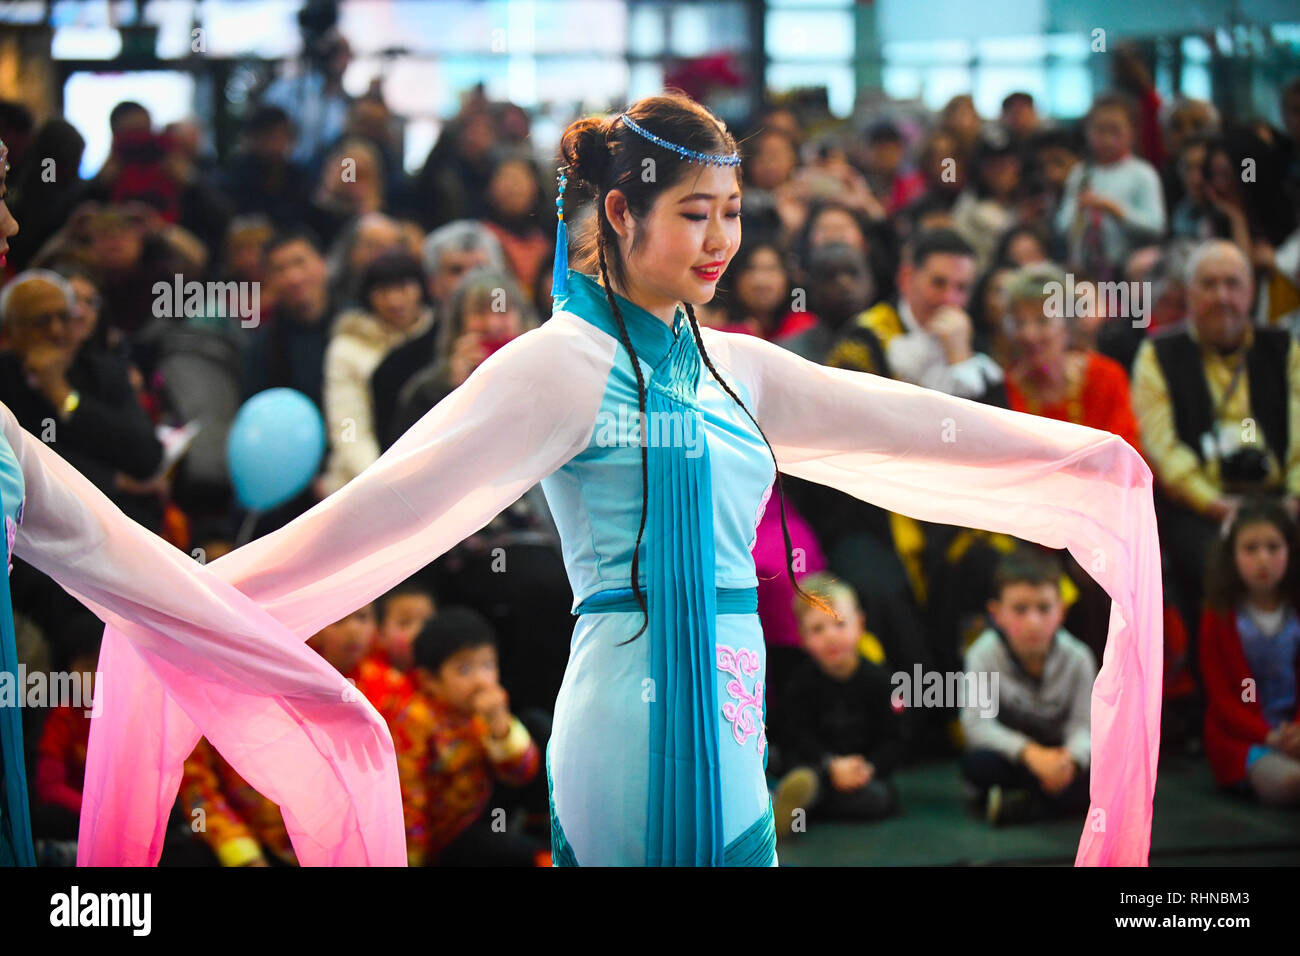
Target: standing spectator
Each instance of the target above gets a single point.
(313, 95)
(1112, 200)
(1188, 120)
(987, 207)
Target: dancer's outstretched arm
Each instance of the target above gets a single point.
(922, 453)
(523, 413)
(214, 650)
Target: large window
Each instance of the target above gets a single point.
(811, 43)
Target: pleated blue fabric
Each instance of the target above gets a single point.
(15, 815)
(684, 811)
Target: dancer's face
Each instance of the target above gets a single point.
(679, 250)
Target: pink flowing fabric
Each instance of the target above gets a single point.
(948, 460)
(523, 413)
(287, 720)
(474, 454)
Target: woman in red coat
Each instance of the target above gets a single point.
(1250, 655)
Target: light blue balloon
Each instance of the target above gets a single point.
(275, 447)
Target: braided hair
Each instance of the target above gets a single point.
(604, 155)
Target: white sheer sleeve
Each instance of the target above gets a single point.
(521, 415)
(943, 459)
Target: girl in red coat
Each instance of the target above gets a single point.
(1250, 655)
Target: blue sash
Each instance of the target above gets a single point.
(684, 811)
(730, 601)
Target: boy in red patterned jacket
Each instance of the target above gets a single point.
(453, 738)
(384, 676)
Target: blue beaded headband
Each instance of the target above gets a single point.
(694, 155)
(560, 271)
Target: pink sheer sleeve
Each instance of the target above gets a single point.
(228, 664)
(942, 459)
(218, 651)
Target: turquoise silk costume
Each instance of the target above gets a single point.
(15, 825)
(681, 747)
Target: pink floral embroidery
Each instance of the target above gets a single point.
(746, 711)
(11, 532)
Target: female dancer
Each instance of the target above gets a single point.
(288, 717)
(655, 441)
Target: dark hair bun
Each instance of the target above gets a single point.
(585, 150)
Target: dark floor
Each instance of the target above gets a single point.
(1194, 825)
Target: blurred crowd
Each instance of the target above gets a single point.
(1136, 270)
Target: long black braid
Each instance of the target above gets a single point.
(645, 466)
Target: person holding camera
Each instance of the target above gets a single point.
(1214, 400)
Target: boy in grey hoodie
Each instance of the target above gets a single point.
(1029, 757)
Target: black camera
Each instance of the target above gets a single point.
(1244, 468)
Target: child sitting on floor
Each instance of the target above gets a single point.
(840, 733)
(1028, 758)
(384, 677)
(453, 738)
(1250, 656)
